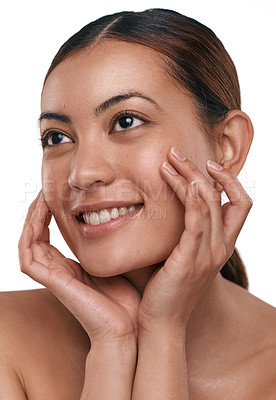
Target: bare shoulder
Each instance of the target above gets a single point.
(254, 313)
(15, 302)
(22, 312)
(17, 313)
(28, 314)
(42, 343)
(31, 312)
(264, 326)
(240, 363)
(256, 343)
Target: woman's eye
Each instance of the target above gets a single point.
(54, 138)
(127, 122)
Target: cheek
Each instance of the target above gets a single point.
(54, 185)
(162, 207)
(161, 201)
(48, 183)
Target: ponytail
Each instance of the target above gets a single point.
(234, 270)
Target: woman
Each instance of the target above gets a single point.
(141, 130)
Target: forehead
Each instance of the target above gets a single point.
(87, 79)
(109, 66)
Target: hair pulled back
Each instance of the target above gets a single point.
(193, 56)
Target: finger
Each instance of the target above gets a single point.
(185, 253)
(40, 219)
(41, 253)
(208, 193)
(45, 236)
(44, 253)
(27, 263)
(194, 221)
(24, 244)
(235, 212)
(177, 182)
(191, 173)
(211, 202)
(32, 207)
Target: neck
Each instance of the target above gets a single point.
(211, 317)
(140, 277)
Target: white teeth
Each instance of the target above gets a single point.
(91, 218)
(94, 218)
(104, 216)
(114, 213)
(131, 209)
(123, 210)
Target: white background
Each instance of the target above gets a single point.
(31, 33)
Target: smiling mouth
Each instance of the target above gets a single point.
(106, 215)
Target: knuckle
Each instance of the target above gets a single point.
(197, 232)
(249, 202)
(220, 255)
(205, 264)
(228, 173)
(19, 245)
(216, 196)
(230, 179)
(179, 180)
(205, 210)
(24, 268)
(32, 206)
(180, 185)
(191, 165)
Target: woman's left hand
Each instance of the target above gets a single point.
(207, 242)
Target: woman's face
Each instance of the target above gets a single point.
(110, 115)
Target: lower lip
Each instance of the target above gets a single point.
(102, 229)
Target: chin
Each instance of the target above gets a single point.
(112, 265)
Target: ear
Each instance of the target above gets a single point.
(236, 135)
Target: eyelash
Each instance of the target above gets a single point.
(47, 134)
(125, 113)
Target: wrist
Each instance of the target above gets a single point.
(165, 328)
(109, 370)
(124, 345)
(162, 356)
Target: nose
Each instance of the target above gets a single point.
(89, 166)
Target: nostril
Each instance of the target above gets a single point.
(84, 182)
(81, 185)
(89, 169)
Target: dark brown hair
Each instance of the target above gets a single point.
(193, 56)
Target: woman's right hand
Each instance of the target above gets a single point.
(107, 308)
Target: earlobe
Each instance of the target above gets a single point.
(235, 140)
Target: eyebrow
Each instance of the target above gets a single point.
(122, 97)
(99, 109)
(53, 115)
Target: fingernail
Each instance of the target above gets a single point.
(214, 165)
(169, 168)
(178, 155)
(195, 189)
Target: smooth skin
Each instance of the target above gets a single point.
(136, 322)
(161, 313)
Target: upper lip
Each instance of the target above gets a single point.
(82, 208)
